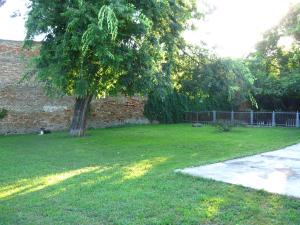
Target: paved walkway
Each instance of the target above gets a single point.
(275, 172)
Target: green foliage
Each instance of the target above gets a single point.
(3, 113)
(277, 67)
(290, 23)
(224, 125)
(97, 48)
(107, 13)
(218, 83)
(200, 81)
(227, 125)
(102, 47)
(166, 106)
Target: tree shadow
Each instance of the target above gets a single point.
(84, 176)
(142, 192)
(83, 182)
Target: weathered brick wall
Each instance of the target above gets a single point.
(29, 109)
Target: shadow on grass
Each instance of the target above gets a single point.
(97, 180)
(142, 192)
(92, 174)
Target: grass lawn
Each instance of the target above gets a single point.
(126, 176)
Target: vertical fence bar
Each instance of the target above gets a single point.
(214, 116)
(297, 119)
(251, 117)
(232, 116)
(273, 119)
(197, 117)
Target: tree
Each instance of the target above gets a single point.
(213, 82)
(276, 67)
(93, 48)
(289, 25)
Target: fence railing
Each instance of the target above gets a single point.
(286, 119)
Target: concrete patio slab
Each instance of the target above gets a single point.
(275, 172)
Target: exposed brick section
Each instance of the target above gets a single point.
(29, 108)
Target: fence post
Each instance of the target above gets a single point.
(251, 117)
(273, 119)
(297, 119)
(214, 116)
(197, 117)
(232, 116)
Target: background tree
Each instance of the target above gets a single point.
(289, 25)
(277, 67)
(94, 48)
(213, 82)
(200, 81)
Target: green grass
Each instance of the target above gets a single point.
(126, 176)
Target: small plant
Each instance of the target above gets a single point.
(197, 125)
(227, 125)
(3, 113)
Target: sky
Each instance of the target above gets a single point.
(235, 26)
(232, 29)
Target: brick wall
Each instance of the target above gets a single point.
(29, 108)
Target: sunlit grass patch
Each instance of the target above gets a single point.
(35, 184)
(126, 176)
(140, 168)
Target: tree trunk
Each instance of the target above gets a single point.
(78, 124)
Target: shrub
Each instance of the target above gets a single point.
(227, 125)
(166, 107)
(3, 113)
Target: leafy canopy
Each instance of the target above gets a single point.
(277, 67)
(99, 47)
(216, 83)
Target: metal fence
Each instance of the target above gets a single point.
(285, 119)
